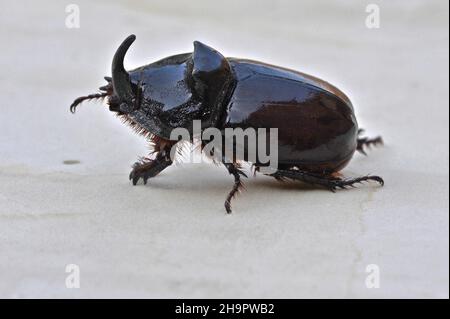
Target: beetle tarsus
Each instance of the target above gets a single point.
(345, 183)
(147, 168)
(328, 181)
(234, 170)
(367, 142)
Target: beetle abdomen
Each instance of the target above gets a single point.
(316, 125)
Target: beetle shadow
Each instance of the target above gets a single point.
(192, 182)
(272, 183)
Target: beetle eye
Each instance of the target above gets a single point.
(137, 99)
(114, 103)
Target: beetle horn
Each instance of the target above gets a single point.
(120, 77)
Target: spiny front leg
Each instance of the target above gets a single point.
(234, 170)
(367, 142)
(148, 168)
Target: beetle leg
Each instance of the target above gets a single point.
(368, 142)
(328, 181)
(234, 170)
(148, 168)
(333, 185)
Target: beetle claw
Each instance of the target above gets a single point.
(147, 168)
(362, 151)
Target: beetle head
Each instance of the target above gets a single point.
(166, 94)
(120, 91)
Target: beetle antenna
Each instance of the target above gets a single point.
(77, 101)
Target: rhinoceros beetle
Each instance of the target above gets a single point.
(317, 129)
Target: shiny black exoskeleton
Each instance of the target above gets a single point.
(317, 129)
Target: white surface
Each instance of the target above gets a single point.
(172, 238)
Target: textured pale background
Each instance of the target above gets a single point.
(172, 238)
